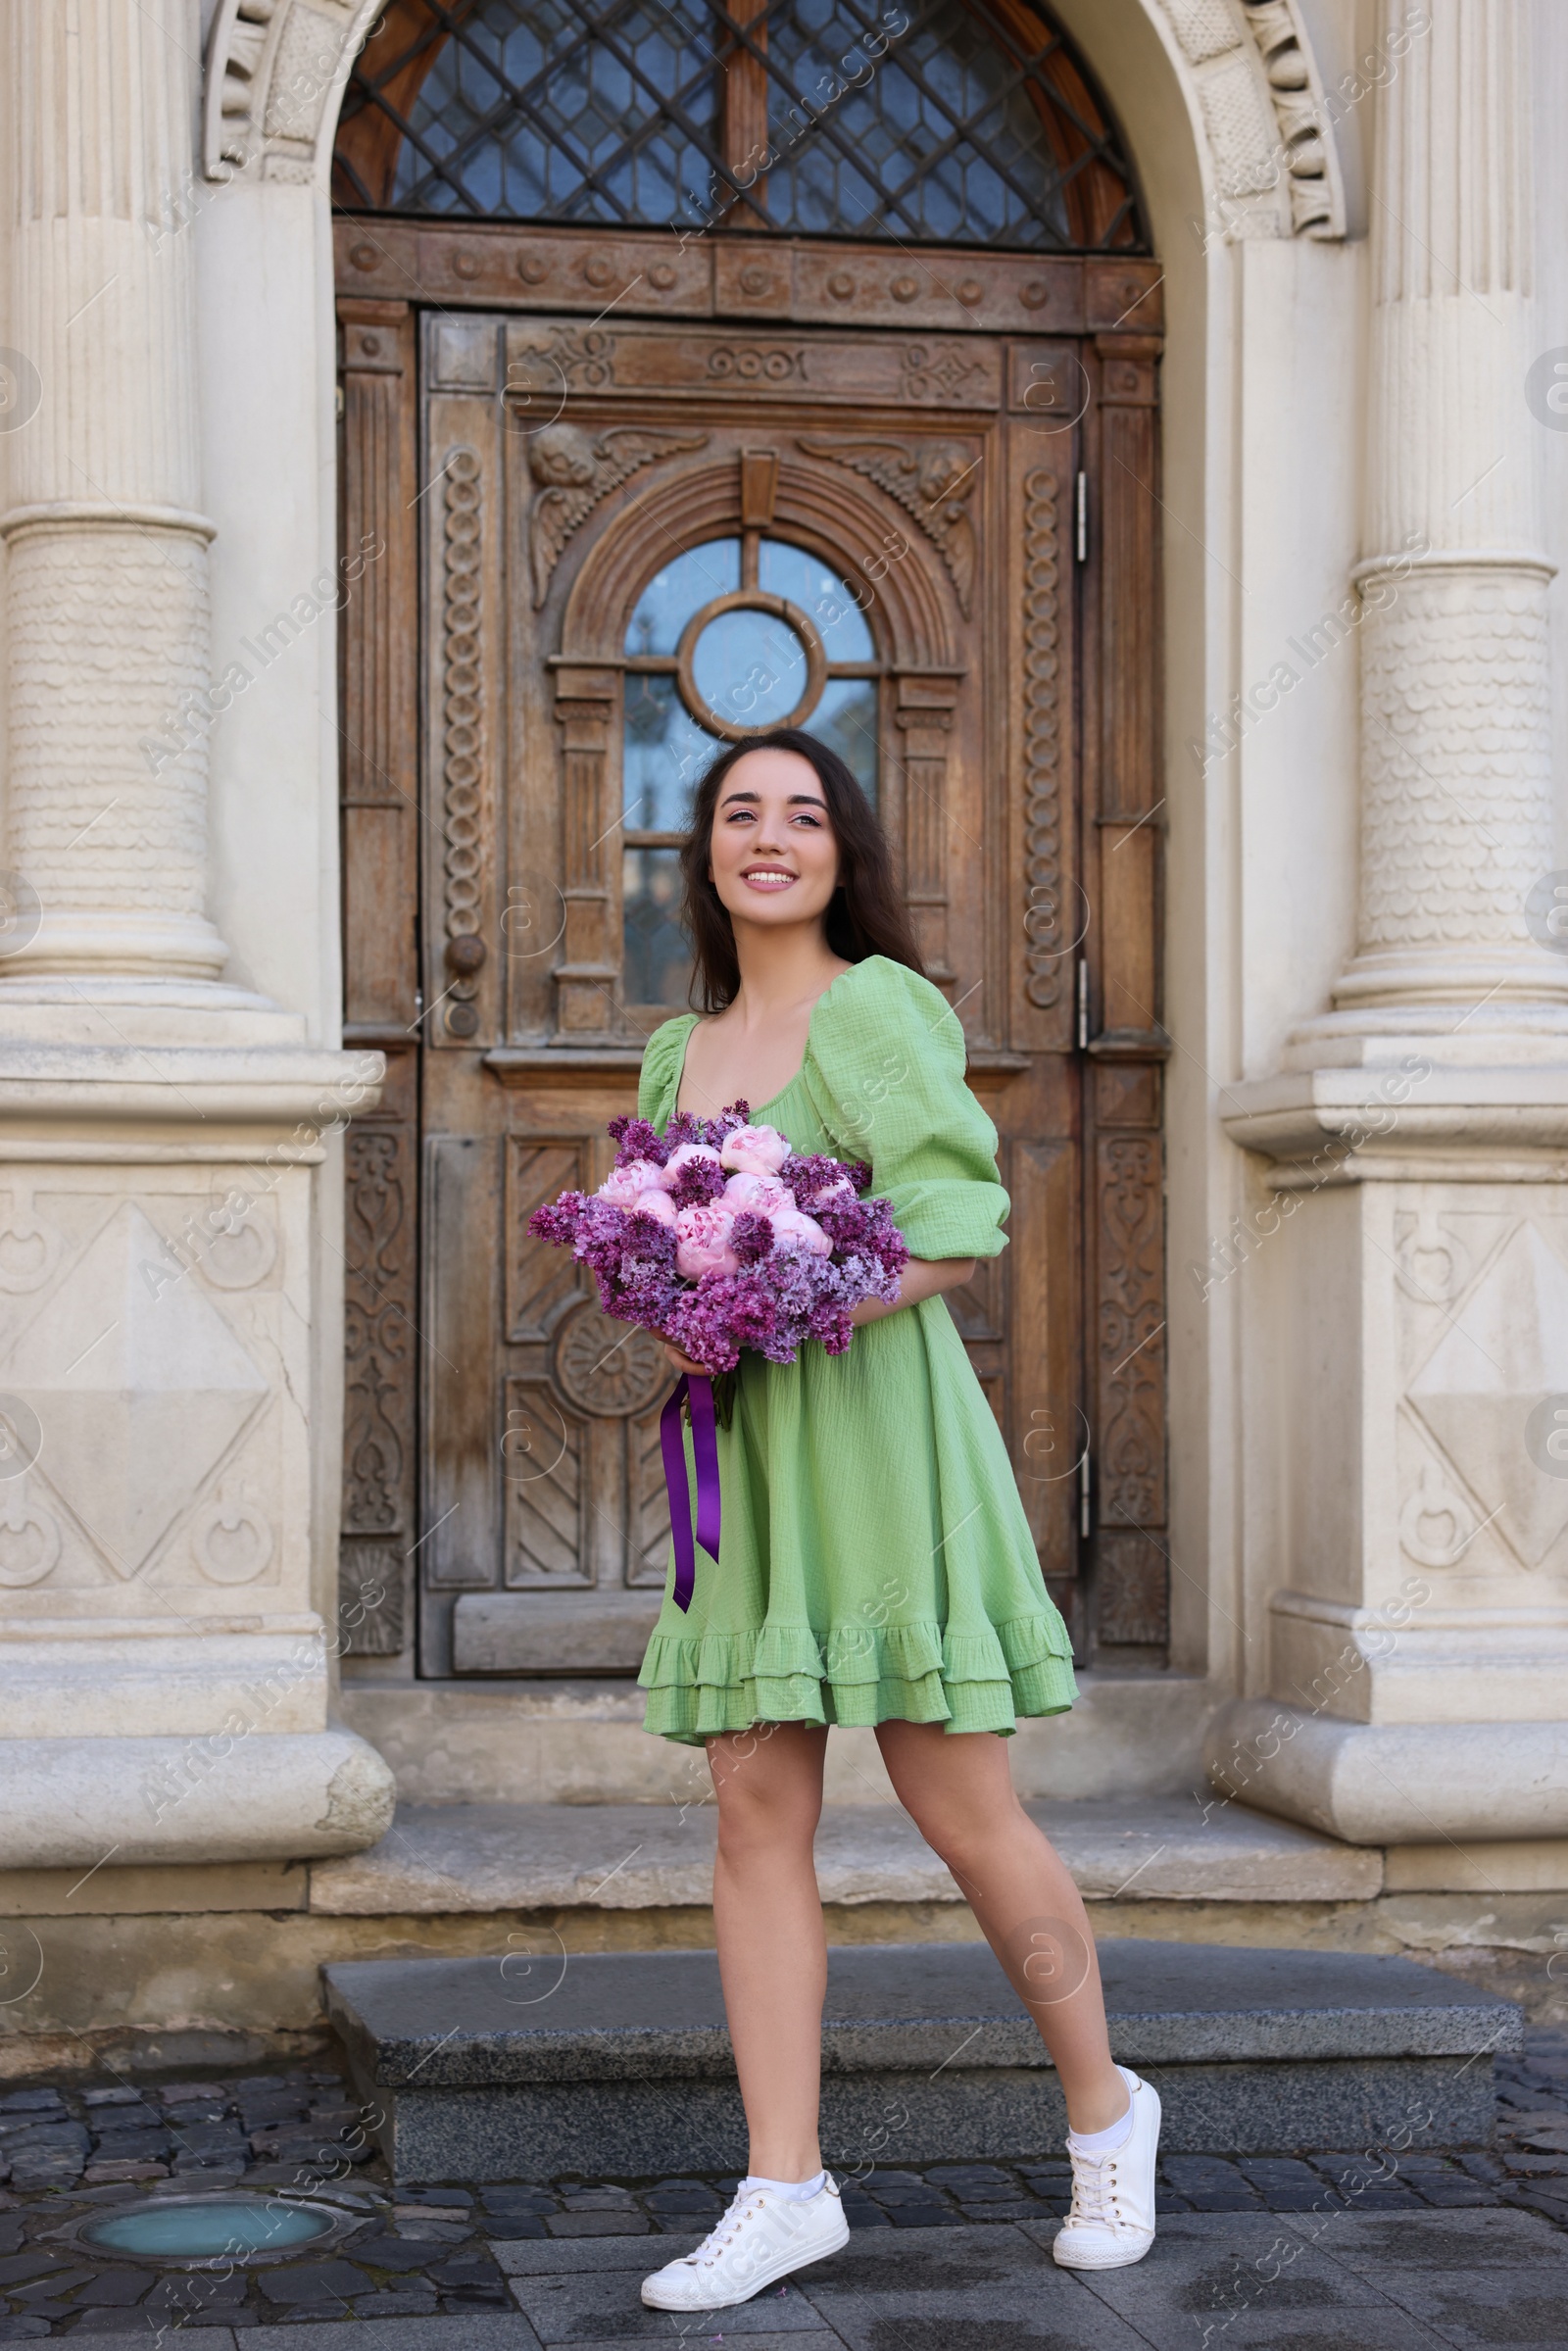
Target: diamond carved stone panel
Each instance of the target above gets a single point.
(140, 1385)
(1505, 1348)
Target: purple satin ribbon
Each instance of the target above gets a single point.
(704, 1456)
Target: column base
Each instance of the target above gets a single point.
(1390, 985)
(80, 945)
(1392, 1784)
(41, 1009)
(277, 1797)
(1503, 1035)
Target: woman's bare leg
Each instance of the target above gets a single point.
(773, 1947)
(958, 1791)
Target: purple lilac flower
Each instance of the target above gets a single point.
(697, 1182)
(751, 1237)
(732, 1115)
(810, 1173)
(638, 1139)
(558, 1221)
(778, 1298)
(699, 1323)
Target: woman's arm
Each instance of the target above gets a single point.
(922, 1278)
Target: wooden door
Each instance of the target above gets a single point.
(635, 536)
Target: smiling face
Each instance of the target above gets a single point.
(772, 856)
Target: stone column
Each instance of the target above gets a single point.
(1413, 1299)
(1456, 786)
(106, 549)
(168, 1478)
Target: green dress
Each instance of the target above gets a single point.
(875, 1561)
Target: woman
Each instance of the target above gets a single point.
(876, 1565)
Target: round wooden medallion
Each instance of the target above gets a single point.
(607, 1367)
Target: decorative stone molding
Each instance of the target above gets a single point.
(1456, 799)
(1487, 1363)
(159, 1389)
(108, 628)
(275, 70)
(1276, 167)
(1414, 1113)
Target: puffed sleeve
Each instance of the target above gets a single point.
(885, 1072)
(660, 1080)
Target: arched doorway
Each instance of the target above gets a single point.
(687, 392)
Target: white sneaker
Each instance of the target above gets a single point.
(762, 2237)
(1112, 2220)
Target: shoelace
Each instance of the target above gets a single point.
(1093, 2190)
(730, 2228)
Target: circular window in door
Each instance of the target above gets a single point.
(730, 640)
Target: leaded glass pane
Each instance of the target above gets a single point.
(672, 595)
(963, 122)
(750, 668)
(844, 719)
(665, 753)
(943, 141)
(657, 958)
(805, 580)
(522, 116)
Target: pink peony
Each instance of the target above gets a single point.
(828, 1196)
(793, 1230)
(623, 1185)
(687, 1154)
(701, 1242)
(656, 1204)
(755, 1150)
(759, 1194)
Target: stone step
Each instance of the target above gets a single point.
(531, 2064)
(446, 1858)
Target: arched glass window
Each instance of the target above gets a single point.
(959, 121)
(731, 638)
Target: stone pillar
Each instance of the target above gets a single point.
(1457, 813)
(1414, 1309)
(107, 603)
(168, 1142)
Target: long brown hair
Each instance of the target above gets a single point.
(865, 915)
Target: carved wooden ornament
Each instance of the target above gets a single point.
(932, 480)
(573, 471)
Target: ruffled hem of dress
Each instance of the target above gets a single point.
(699, 1685)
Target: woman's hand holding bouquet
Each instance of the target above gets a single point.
(718, 1236)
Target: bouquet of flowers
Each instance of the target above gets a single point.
(718, 1236)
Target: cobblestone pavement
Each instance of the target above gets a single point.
(428, 2253)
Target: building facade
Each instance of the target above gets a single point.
(1133, 431)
